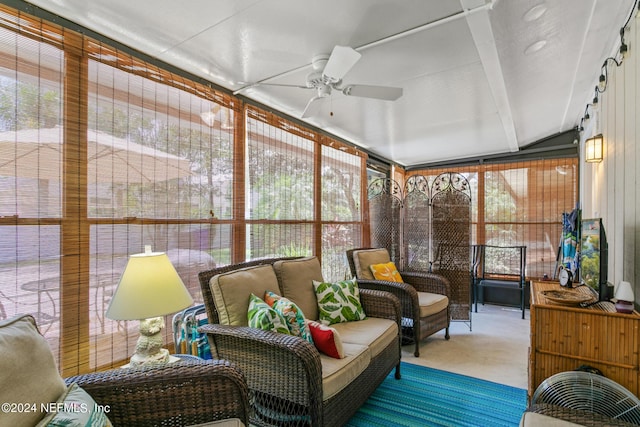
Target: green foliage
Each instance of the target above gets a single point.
(28, 106)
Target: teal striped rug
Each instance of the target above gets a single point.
(431, 397)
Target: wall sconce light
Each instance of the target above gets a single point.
(593, 149)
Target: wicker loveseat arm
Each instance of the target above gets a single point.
(382, 304)
(283, 372)
(427, 282)
(180, 393)
(405, 293)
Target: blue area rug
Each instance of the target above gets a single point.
(431, 397)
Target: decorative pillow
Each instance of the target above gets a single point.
(326, 339)
(28, 371)
(76, 408)
(291, 314)
(339, 301)
(261, 316)
(386, 271)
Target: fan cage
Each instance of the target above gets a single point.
(589, 392)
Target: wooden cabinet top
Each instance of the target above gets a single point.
(538, 298)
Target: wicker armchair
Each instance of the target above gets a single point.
(418, 320)
(284, 372)
(181, 393)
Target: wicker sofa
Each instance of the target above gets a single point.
(202, 393)
(291, 382)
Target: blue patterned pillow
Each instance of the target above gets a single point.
(261, 316)
(339, 301)
(291, 313)
(77, 409)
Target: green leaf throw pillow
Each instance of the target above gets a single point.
(261, 316)
(339, 301)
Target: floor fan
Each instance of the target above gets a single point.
(590, 392)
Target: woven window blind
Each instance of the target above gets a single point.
(163, 176)
(521, 203)
(98, 158)
(31, 174)
(121, 154)
(341, 205)
(279, 198)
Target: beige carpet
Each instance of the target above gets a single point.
(496, 349)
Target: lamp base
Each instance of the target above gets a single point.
(149, 349)
(624, 307)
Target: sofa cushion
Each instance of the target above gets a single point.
(339, 301)
(296, 278)
(362, 259)
(28, 371)
(292, 314)
(339, 373)
(261, 316)
(386, 271)
(76, 409)
(431, 303)
(374, 332)
(326, 339)
(231, 291)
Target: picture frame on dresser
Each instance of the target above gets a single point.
(594, 257)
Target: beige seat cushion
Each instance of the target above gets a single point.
(28, 372)
(431, 303)
(296, 282)
(364, 258)
(231, 291)
(338, 373)
(372, 332)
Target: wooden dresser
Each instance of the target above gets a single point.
(566, 337)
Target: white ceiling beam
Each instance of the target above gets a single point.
(482, 33)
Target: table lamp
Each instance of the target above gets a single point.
(624, 298)
(149, 289)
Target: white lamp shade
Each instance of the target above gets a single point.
(149, 287)
(624, 292)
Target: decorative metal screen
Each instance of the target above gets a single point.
(428, 230)
(416, 227)
(451, 238)
(385, 204)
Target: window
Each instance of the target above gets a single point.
(102, 153)
(521, 203)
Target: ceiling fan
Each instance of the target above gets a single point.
(327, 74)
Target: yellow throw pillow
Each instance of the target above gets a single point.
(387, 272)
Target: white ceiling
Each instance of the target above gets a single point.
(471, 87)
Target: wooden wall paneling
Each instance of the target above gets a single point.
(617, 255)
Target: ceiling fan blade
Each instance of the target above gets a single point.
(313, 107)
(377, 92)
(342, 59)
